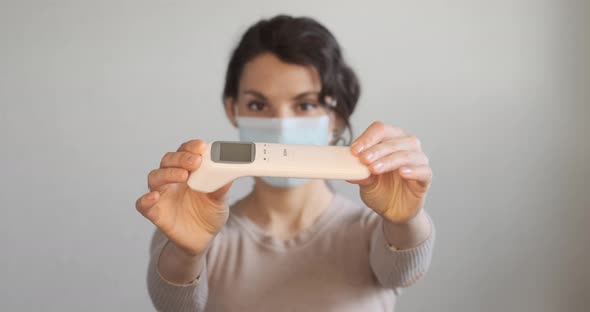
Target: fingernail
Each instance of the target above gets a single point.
(378, 166)
(406, 170)
(189, 159)
(357, 147)
(370, 156)
(151, 196)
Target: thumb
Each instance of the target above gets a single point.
(363, 182)
(219, 195)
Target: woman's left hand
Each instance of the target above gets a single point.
(401, 174)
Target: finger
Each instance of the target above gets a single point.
(159, 177)
(374, 134)
(396, 160)
(145, 205)
(193, 146)
(406, 143)
(185, 160)
(420, 175)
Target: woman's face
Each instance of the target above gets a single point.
(271, 88)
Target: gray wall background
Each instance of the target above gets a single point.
(93, 93)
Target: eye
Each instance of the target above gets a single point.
(307, 106)
(256, 106)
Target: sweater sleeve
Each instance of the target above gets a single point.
(399, 268)
(168, 296)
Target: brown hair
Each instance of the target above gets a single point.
(302, 41)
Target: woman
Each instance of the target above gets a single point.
(291, 244)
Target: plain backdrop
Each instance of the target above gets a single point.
(93, 93)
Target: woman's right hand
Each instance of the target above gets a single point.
(189, 219)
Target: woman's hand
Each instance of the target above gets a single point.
(188, 218)
(400, 171)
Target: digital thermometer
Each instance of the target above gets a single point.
(226, 161)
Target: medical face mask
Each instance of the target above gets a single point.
(291, 130)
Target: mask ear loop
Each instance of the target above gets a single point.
(337, 139)
(235, 114)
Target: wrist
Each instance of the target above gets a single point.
(403, 218)
(178, 267)
(186, 254)
(408, 234)
(182, 253)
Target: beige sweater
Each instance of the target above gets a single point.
(340, 263)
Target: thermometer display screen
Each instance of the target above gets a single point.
(236, 152)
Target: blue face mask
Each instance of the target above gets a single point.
(292, 130)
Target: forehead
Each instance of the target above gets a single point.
(274, 78)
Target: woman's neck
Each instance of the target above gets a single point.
(285, 212)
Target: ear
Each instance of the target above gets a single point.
(337, 124)
(229, 105)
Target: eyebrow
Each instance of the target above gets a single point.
(297, 97)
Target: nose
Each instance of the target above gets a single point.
(283, 111)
